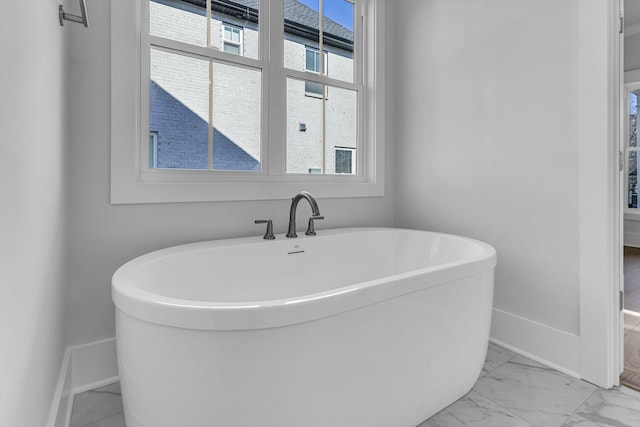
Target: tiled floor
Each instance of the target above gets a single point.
(511, 391)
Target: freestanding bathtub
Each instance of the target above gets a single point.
(351, 328)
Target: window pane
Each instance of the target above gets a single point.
(632, 191)
(186, 21)
(179, 110)
(236, 118)
(337, 27)
(301, 32)
(304, 130)
(178, 20)
(341, 123)
(634, 96)
(317, 125)
(344, 161)
(232, 48)
(301, 29)
(311, 64)
(313, 88)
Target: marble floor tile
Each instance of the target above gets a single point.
(631, 374)
(631, 321)
(497, 356)
(475, 410)
(96, 406)
(536, 393)
(607, 408)
(116, 420)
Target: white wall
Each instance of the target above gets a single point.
(102, 236)
(32, 149)
(632, 52)
(487, 122)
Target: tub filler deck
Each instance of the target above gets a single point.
(351, 328)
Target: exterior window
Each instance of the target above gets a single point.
(313, 65)
(153, 149)
(633, 102)
(232, 39)
(231, 106)
(345, 160)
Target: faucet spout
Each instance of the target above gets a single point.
(294, 205)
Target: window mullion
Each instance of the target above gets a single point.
(275, 92)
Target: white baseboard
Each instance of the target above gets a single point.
(632, 239)
(84, 367)
(552, 347)
(93, 365)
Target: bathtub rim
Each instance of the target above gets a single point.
(245, 315)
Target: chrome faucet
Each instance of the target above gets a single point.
(292, 213)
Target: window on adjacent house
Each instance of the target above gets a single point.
(232, 39)
(223, 99)
(345, 160)
(153, 149)
(314, 65)
(632, 148)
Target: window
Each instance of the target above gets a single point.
(313, 65)
(631, 173)
(153, 149)
(222, 95)
(345, 160)
(232, 39)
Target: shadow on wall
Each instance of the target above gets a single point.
(182, 138)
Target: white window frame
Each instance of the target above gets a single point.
(130, 183)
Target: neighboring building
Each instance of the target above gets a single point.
(182, 104)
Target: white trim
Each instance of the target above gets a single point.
(600, 219)
(552, 347)
(632, 239)
(60, 413)
(84, 367)
(188, 186)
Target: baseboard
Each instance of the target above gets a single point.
(632, 239)
(84, 367)
(552, 347)
(93, 365)
(60, 413)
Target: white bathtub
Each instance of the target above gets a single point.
(351, 328)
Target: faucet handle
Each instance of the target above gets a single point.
(311, 231)
(269, 234)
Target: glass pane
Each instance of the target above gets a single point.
(634, 97)
(344, 161)
(178, 20)
(317, 126)
(179, 110)
(301, 30)
(186, 21)
(632, 191)
(341, 124)
(301, 34)
(313, 88)
(337, 27)
(236, 118)
(304, 130)
(232, 48)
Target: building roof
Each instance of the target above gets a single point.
(299, 20)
